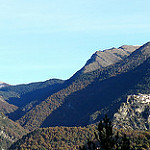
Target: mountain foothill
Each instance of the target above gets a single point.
(102, 86)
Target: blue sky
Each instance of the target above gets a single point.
(43, 39)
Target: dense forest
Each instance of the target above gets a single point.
(72, 138)
(63, 138)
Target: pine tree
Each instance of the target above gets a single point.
(105, 134)
(106, 139)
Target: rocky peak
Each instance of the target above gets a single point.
(129, 48)
(134, 114)
(108, 57)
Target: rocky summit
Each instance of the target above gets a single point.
(101, 59)
(134, 114)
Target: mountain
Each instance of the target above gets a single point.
(101, 59)
(134, 114)
(110, 82)
(103, 89)
(105, 95)
(11, 93)
(16, 94)
(26, 96)
(9, 132)
(2, 84)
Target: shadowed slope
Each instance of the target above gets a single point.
(37, 115)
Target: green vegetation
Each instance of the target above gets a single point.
(67, 138)
(6, 107)
(16, 94)
(140, 140)
(60, 138)
(26, 88)
(27, 96)
(9, 131)
(106, 138)
(73, 102)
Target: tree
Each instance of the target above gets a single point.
(106, 139)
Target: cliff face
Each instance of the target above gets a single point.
(134, 114)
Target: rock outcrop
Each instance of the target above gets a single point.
(134, 114)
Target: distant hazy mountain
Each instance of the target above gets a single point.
(24, 97)
(16, 94)
(102, 89)
(2, 84)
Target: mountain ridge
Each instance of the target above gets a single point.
(58, 107)
(101, 59)
(81, 82)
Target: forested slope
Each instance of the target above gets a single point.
(92, 88)
(70, 138)
(5, 107)
(9, 132)
(60, 138)
(22, 98)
